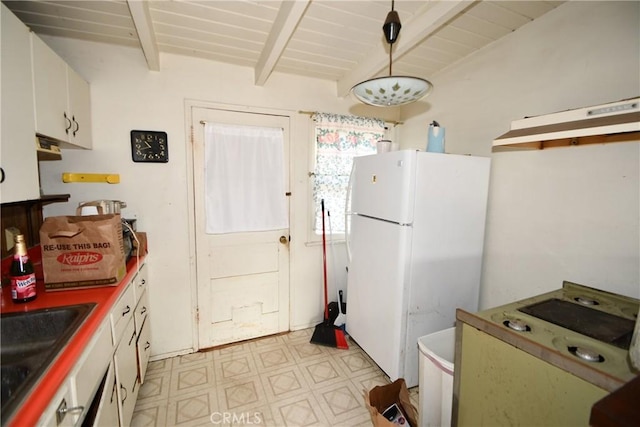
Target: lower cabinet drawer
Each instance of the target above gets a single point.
(121, 313)
(139, 282)
(142, 310)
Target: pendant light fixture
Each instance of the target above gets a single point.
(391, 91)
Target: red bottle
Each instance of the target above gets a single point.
(23, 277)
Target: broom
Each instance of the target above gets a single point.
(326, 333)
(342, 318)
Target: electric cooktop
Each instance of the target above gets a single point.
(582, 329)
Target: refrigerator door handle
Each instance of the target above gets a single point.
(347, 237)
(347, 205)
(347, 219)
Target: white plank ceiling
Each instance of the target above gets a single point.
(341, 41)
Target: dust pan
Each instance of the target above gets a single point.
(326, 333)
(341, 319)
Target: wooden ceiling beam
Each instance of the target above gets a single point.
(289, 16)
(413, 33)
(144, 27)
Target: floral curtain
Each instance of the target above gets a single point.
(339, 139)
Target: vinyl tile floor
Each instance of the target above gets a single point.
(280, 380)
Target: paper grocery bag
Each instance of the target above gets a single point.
(82, 251)
(381, 398)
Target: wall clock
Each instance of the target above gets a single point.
(149, 146)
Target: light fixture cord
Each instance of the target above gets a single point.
(391, 44)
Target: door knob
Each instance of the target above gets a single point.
(283, 239)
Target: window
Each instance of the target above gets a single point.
(338, 139)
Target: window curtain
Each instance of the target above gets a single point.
(244, 179)
(339, 139)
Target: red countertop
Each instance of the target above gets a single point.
(104, 297)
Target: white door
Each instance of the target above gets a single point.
(242, 278)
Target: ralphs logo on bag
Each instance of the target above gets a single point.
(79, 258)
(82, 251)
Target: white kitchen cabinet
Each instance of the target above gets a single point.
(18, 158)
(126, 364)
(90, 370)
(133, 348)
(103, 386)
(140, 282)
(74, 398)
(56, 414)
(62, 98)
(143, 330)
(122, 313)
(143, 327)
(107, 409)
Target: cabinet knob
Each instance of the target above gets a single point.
(126, 311)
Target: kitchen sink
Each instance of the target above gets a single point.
(29, 343)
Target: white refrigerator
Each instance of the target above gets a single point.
(414, 234)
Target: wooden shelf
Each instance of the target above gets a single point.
(26, 216)
(42, 201)
(569, 142)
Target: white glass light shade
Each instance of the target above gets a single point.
(391, 91)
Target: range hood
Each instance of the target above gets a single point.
(612, 122)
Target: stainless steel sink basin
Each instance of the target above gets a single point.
(29, 343)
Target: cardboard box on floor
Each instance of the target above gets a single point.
(379, 398)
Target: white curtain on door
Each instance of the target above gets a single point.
(244, 179)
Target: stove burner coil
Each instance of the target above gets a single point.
(586, 354)
(586, 301)
(516, 325)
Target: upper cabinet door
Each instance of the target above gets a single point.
(80, 107)
(50, 86)
(18, 158)
(62, 98)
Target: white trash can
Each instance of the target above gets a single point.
(436, 377)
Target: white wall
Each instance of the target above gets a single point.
(126, 96)
(560, 214)
(553, 215)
